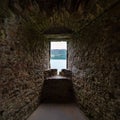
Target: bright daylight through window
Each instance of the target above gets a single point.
(58, 55)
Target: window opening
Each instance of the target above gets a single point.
(58, 55)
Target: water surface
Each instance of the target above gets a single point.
(58, 64)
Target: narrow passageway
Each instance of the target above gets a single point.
(30, 31)
(57, 101)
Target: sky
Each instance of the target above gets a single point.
(59, 45)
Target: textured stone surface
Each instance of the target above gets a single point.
(94, 59)
(66, 73)
(50, 73)
(21, 73)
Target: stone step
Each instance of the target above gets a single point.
(57, 90)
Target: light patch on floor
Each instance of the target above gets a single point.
(58, 112)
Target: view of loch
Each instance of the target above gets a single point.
(58, 59)
(59, 64)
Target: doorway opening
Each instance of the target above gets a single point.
(58, 55)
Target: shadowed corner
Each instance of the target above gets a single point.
(57, 89)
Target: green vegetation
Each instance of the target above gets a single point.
(58, 54)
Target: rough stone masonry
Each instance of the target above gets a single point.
(21, 73)
(93, 55)
(94, 59)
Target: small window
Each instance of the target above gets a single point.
(58, 55)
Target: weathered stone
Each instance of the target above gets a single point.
(93, 56)
(21, 74)
(50, 73)
(95, 75)
(66, 73)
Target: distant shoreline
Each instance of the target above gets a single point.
(58, 54)
(58, 58)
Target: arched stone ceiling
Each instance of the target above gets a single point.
(72, 14)
(48, 5)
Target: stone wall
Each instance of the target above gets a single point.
(21, 72)
(94, 58)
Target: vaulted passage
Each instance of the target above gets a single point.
(28, 87)
(57, 105)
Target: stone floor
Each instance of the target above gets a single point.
(58, 112)
(57, 101)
